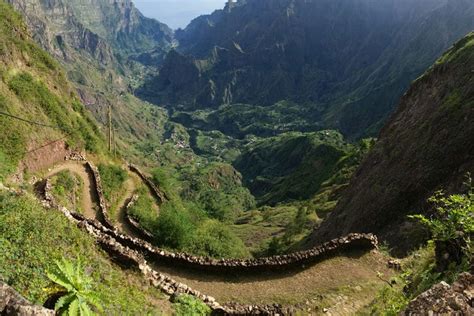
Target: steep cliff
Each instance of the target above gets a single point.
(344, 62)
(428, 144)
(40, 112)
(98, 42)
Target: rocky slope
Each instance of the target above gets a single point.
(344, 62)
(428, 144)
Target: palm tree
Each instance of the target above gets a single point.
(76, 295)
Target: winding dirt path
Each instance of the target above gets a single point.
(89, 196)
(341, 284)
(121, 222)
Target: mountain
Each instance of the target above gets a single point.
(94, 22)
(427, 145)
(344, 63)
(41, 116)
(291, 166)
(100, 44)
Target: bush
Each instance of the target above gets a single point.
(451, 226)
(173, 227)
(214, 239)
(113, 178)
(189, 305)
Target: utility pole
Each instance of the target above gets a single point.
(115, 143)
(110, 128)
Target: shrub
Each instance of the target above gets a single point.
(189, 305)
(113, 178)
(451, 226)
(214, 239)
(173, 227)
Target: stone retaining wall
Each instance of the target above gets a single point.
(139, 230)
(12, 303)
(354, 241)
(100, 195)
(130, 251)
(157, 193)
(296, 259)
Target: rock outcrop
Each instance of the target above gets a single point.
(13, 304)
(445, 299)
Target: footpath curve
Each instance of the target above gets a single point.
(130, 248)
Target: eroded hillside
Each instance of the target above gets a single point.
(427, 145)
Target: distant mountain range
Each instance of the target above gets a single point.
(344, 63)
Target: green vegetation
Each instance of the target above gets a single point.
(451, 227)
(189, 305)
(12, 142)
(293, 232)
(67, 189)
(76, 290)
(113, 178)
(32, 238)
(33, 87)
(454, 217)
(142, 210)
(211, 238)
(33, 91)
(242, 120)
(295, 166)
(458, 50)
(447, 255)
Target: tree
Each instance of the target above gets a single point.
(452, 226)
(75, 294)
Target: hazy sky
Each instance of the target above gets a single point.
(177, 13)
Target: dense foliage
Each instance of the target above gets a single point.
(189, 305)
(113, 178)
(32, 238)
(453, 224)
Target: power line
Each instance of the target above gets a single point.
(28, 121)
(45, 145)
(39, 124)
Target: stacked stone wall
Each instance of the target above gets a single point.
(157, 193)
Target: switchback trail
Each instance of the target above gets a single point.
(342, 283)
(89, 196)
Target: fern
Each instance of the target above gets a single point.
(76, 285)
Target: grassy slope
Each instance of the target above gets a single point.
(34, 87)
(29, 246)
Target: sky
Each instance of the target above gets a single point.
(177, 13)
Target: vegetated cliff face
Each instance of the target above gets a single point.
(348, 61)
(291, 166)
(34, 87)
(98, 42)
(89, 23)
(427, 145)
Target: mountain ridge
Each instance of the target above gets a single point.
(347, 62)
(434, 150)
